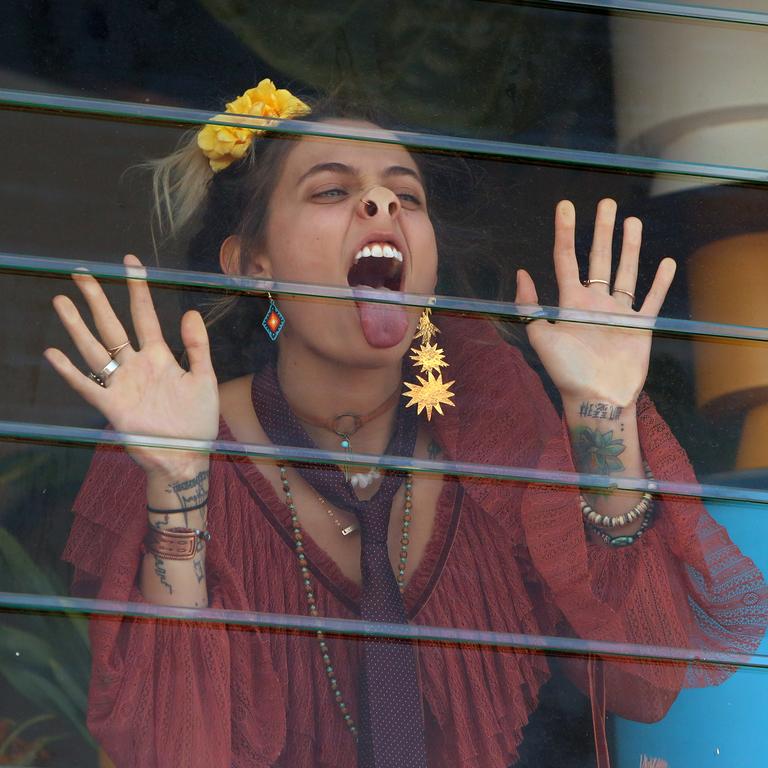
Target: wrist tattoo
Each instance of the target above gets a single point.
(162, 574)
(191, 493)
(597, 452)
(600, 410)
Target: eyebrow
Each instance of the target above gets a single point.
(348, 170)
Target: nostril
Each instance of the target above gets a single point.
(370, 207)
(392, 208)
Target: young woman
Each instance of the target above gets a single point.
(338, 541)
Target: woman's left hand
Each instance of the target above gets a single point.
(588, 361)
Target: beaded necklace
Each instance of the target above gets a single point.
(309, 593)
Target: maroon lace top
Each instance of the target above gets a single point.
(503, 556)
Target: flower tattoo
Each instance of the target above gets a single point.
(597, 452)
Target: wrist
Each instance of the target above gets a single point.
(178, 473)
(587, 408)
(183, 489)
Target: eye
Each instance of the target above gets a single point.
(330, 195)
(410, 200)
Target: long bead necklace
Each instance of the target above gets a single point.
(309, 593)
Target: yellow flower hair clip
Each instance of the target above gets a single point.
(225, 144)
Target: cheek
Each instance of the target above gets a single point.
(301, 247)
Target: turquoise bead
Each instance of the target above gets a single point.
(622, 541)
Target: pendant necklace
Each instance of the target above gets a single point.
(345, 425)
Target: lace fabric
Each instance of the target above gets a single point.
(503, 557)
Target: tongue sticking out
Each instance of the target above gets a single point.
(384, 325)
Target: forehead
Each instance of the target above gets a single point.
(364, 156)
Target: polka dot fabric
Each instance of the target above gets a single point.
(391, 717)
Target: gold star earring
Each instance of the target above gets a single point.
(431, 392)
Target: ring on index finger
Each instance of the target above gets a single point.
(102, 377)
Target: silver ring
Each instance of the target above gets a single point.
(589, 282)
(103, 375)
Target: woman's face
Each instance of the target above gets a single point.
(346, 213)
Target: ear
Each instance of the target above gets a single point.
(231, 263)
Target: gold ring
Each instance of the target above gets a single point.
(589, 282)
(626, 293)
(112, 351)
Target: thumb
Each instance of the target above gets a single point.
(526, 290)
(195, 338)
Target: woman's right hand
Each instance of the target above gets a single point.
(149, 394)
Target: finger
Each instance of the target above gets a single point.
(566, 266)
(195, 338)
(88, 389)
(626, 274)
(526, 294)
(526, 289)
(661, 282)
(107, 323)
(602, 245)
(143, 313)
(89, 347)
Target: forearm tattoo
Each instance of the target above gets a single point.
(199, 570)
(162, 574)
(191, 493)
(597, 452)
(598, 410)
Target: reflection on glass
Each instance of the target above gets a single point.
(642, 583)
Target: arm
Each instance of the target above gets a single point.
(149, 393)
(683, 585)
(599, 369)
(177, 582)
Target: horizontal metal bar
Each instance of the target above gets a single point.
(360, 630)
(67, 435)
(529, 153)
(652, 8)
(25, 264)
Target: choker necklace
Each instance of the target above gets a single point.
(345, 425)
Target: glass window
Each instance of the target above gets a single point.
(438, 443)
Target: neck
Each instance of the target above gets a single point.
(337, 389)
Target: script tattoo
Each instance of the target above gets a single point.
(190, 493)
(162, 523)
(600, 411)
(597, 452)
(162, 574)
(199, 570)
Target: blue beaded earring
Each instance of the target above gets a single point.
(273, 321)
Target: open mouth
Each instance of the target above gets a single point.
(377, 265)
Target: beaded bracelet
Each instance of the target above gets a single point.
(624, 541)
(604, 521)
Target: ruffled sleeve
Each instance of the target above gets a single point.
(166, 693)
(683, 585)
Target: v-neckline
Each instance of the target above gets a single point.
(423, 580)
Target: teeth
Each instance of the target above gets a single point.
(379, 250)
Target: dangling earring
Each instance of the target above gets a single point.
(273, 321)
(431, 392)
